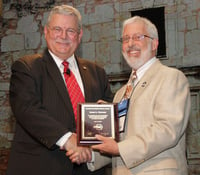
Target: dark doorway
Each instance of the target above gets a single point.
(157, 16)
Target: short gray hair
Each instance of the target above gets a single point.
(150, 27)
(66, 10)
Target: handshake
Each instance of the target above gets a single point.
(77, 154)
(82, 154)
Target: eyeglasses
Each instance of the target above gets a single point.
(136, 37)
(59, 31)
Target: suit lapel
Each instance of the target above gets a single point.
(145, 80)
(57, 78)
(83, 69)
(120, 94)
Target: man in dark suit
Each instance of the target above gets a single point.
(39, 98)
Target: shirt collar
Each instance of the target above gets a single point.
(59, 61)
(140, 72)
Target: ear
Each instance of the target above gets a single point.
(155, 44)
(45, 30)
(80, 35)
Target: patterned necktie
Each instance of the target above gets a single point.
(74, 90)
(130, 85)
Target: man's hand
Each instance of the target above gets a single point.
(101, 102)
(108, 145)
(81, 155)
(77, 154)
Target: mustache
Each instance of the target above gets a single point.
(63, 41)
(132, 48)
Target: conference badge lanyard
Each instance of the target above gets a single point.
(123, 107)
(122, 113)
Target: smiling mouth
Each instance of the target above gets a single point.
(133, 52)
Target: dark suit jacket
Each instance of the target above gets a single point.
(43, 111)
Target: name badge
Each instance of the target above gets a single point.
(122, 114)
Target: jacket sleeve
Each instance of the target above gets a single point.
(157, 119)
(35, 121)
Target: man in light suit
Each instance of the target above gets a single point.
(45, 122)
(153, 140)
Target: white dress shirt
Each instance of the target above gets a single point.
(140, 72)
(74, 68)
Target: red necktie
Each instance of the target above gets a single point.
(74, 90)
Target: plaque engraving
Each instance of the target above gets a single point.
(95, 119)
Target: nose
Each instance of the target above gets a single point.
(64, 34)
(131, 42)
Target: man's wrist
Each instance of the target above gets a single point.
(63, 139)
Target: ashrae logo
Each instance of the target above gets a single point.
(98, 126)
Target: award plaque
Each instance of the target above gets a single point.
(95, 119)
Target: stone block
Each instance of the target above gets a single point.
(32, 40)
(45, 16)
(27, 24)
(88, 50)
(86, 34)
(103, 13)
(4, 86)
(103, 51)
(12, 43)
(191, 23)
(195, 4)
(115, 52)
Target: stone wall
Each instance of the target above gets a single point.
(21, 32)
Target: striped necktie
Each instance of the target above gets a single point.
(74, 90)
(130, 85)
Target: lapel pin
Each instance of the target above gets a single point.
(144, 84)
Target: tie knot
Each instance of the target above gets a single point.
(65, 64)
(133, 76)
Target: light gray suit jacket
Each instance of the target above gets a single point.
(154, 140)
